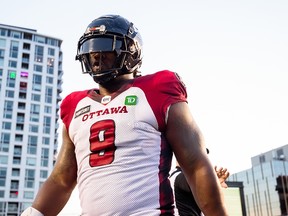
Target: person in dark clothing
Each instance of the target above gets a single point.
(184, 199)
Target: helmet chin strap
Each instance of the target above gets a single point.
(105, 77)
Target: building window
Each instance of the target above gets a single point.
(21, 105)
(48, 109)
(46, 124)
(3, 159)
(20, 117)
(34, 112)
(48, 94)
(262, 159)
(39, 52)
(9, 94)
(14, 47)
(6, 125)
(43, 174)
(26, 46)
(32, 145)
(33, 128)
(36, 83)
(38, 68)
(28, 194)
(49, 80)
(46, 140)
(29, 178)
(8, 109)
(30, 161)
(12, 64)
(51, 51)
(2, 43)
(19, 127)
(15, 34)
(11, 79)
(18, 137)
(16, 160)
(17, 150)
(24, 74)
(2, 53)
(52, 42)
(35, 97)
(44, 157)
(15, 172)
(280, 154)
(4, 142)
(39, 39)
(3, 173)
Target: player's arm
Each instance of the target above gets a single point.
(188, 145)
(55, 192)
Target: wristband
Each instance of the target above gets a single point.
(31, 212)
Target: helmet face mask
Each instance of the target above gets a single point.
(110, 34)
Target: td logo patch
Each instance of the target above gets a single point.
(131, 100)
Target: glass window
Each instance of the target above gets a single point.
(18, 137)
(50, 65)
(48, 94)
(8, 109)
(24, 74)
(3, 173)
(48, 109)
(16, 160)
(32, 145)
(28, 194)
(46, 124)
(49, 80)
(15, 172)
(2, 43)
(46, 140)
(38, 68)
(31, 161)
(17, 150)
(21, 105)
(39, 39)
(29, 178)
(39, 53)
(2, 53)
(35, 108)
(37, 81)
(33, 128)
(15, 34)
(51, 51)
(11, 79)
(44, 157)
(6, 125)
(4, 142)
(3, 159)
(9, 94)
(12, 64)
(35, 97)
(43, 174)
(14, 47)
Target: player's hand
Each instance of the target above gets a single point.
(222, 174)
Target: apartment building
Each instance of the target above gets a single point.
(30, 87)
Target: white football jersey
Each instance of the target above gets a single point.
(122, 155)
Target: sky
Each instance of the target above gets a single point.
(232, 56)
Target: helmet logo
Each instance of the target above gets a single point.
(101, 29)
